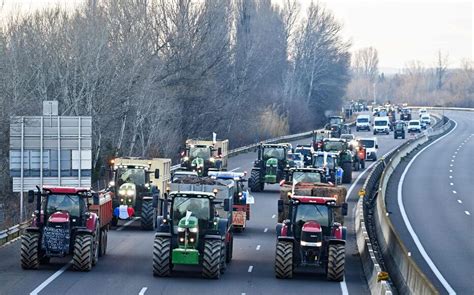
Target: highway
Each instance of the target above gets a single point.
(432, 207)
(127, 267)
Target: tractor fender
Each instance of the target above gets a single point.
(163, 235)
(286, 238)
(281, 230)
(84, 231)
(32, 229)
(162, 227)
(92, 222)
(339, 232)
(336, 242)
(214, 237)
(278, 228)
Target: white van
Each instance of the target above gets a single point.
(363, 122)
(425, 118)
(381, 125)
(371, 147)
(414, 126)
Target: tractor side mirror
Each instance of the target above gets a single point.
(157, 173)
(227, 204)
(280, 206)
(376, 146)
(219, 151)
(31, 196)
(344, 209)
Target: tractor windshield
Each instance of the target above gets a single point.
(274, 152)
(200, 152)
(67, 203)
(312, 212)
(335, 121)
(200, 208)
(334, 146)
(302, 176)
(303, 151)
(136, 176)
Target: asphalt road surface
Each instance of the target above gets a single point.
(127, 267)
(436, 197)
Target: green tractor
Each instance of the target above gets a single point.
(344, 153)
(336, 126)
(194, 232)
(271, 166)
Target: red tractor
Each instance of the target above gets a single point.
(310, 237)
(67, 221)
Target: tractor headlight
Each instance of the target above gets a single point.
(112, 183)
(180, 229)
(311, 244)
(193, 229)
(181, 240)
(185, 159)
(191, 240)
(147, 185)
(211, 159)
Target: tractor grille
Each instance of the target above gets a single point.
(55, 240)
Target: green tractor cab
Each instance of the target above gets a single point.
(271, 165)
(345, 156)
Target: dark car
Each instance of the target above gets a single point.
(399, 130)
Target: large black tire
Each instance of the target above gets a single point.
(211, 260)
(230, 249)
(336, 261)
(347, 175)
(103, 242)
(82, 254)
(30, 256)
(284, 260)
(96, 246)
(162, 257)
(255, 182)
(114, 221)
(223, 265)
(148, 215)
(362, 164)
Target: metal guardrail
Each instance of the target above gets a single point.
(403, 270)
(10, 234)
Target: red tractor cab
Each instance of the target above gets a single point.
(67, 221)
(310, 237)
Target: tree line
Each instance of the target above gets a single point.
(153, 73)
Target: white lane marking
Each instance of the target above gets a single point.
(451, 183)
(454, 156)
(265, 230)
(452, 160)
(451, 165)
(455, 153)
(258, 247)
(450, 176)
(142, 291)
(407, 221)
(459, 201)
(344, 287)
(250, 268)
(454, 192)
(234, 169)
(244, 294)
(467, 212)
(273, 216)
(50, 279)
(451, 171)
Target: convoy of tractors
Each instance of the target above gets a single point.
(196, 209)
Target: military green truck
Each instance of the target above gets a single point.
(195, 226)
(270, 167)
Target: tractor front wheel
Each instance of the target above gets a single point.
(211, 259)
(255, 182)
(148, 215)
(284, 260)
(83, 255)
(336, 261)
(347, 174)
(162, 257)
(30, 258)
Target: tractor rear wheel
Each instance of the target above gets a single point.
(255, 182)
(284, 260)
(30, 258)
(162, 257)
(148, 215)
(103, 242)
(336, 261)
(96, 246)
(83, 255)
(230, 248)
(223, 265)
(211, 259)
(347, 174)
